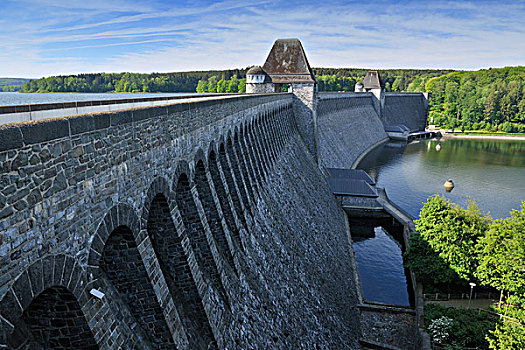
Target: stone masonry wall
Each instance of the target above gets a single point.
(236, 240)
(348, 125)
(409, 109)
(305, 108)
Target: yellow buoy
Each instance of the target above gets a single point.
(449, 185)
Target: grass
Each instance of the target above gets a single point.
(485, 132)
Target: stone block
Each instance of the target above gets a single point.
(45, 130)
(81, 124)
(10, 308)
(22, 289)
(35, 275)
(11, 137)
(119, 118)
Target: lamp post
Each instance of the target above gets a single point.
(472, 285)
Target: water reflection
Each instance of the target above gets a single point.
(380, 265)
(490, 171)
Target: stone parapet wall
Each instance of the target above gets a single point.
(390, 327)
(215, 210)
(348, 125)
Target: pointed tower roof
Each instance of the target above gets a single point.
(372, 80)
(287, 63)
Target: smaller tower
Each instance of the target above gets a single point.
(372, 83)
(257, 81)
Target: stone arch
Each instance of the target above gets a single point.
(265, 140)
(250, 148)
(117, 259)
(193, 231)
(211, 212)
(43, 308)
(269, 133)
(273, 132)
(174, 265)
(234, 166)
(240, 154)
(222, 196)
(278, 128)
(230, 183)
(262, 140)
(247, 150)
(257, 151)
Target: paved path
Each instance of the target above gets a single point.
(463, 303)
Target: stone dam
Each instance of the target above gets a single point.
(193, 225)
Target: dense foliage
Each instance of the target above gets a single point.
(492, 253)
(329, 79)
(126, 82)
(458, 328)
(12, 84)
(453, 232)
(344, 79)
(502, 254)
(12, 81)
(489, 99)
(222, 85)
(431, 270)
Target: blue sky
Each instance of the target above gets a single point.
(52, 37)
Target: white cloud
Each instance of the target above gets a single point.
(230, 34)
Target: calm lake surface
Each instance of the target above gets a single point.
(378, 286)
(490, 171)
(17, 98)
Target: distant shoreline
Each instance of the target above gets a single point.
(481, 136)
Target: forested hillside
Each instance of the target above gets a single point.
(12, 84)
(344, 79)
(126, 82)
(329, 79)
(339, 79)
(489, 99)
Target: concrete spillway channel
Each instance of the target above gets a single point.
(373, 217)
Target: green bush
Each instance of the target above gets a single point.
(467, 329)
(507, 127)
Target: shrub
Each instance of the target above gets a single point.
(467, 328)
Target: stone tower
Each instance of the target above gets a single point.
(287, 64)
(372, 83)
(257, 81)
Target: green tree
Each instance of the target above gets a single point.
(502, 254)
(212, 84)
(452, 232)
(202, 86)
(221, 86)
(510, 330)
(242, 85)
(429, 268)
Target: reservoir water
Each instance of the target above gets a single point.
(17, 98)
(492, 172)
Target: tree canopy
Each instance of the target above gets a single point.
(489, 99)
(476, 248)
(453, 232)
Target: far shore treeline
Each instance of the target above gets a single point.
(488, 99)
